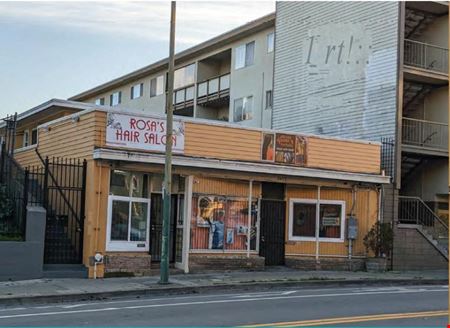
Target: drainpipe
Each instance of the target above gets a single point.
(317, 224)
(249, 219)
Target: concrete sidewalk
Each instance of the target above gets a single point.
(56, 290)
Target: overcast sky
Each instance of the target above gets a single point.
(58, 49)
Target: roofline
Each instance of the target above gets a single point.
(248, 167)
(236, 33)
(86, 108)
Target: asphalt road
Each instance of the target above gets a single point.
(345, 306)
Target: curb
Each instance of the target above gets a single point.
(180, 290)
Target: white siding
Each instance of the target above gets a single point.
(352, 98)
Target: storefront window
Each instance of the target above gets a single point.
(128, 211)
(221, 223)
(303, 220)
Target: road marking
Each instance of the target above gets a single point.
(206, 302)
(289, 292)
(374, 317)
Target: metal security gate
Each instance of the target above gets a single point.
(156, 221)
(272, 226)
(64, 186)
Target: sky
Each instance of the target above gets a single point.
(59, 49)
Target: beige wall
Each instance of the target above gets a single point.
(249, 81)
(436, 33)
(436, 105)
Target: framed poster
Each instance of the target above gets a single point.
(300, 150)
(268, 147)
(285, 148)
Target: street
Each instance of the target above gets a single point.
(346, 306)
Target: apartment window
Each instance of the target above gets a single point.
(157, 86)
(305, 223)
(270, 42)
(269, 99)
(34, 136)
(128, 212)
(243, 108)
(184, 76)
(245, 55)
(115, 98)
(137, 90)
(26, 138)
(100, 101)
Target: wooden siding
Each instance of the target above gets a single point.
(343, 155)
(366, 211)
(224, 187)
(231, 143)
(27, 157)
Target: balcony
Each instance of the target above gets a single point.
(427, 59)
(420, 136)
(214, 92)
(183, 101)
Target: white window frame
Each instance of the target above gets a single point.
(244, 101)
(293, 201)
(119, 98)
(159, 90)
(243, 50)
(98, 101)
(26, 141)
(122, 245)
(140, 87)
(270, 42)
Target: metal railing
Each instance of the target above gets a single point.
(183, 95)
(413, 210)
(427, 134)
(213, 88)
(426, 56)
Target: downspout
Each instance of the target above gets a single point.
(249, 218)
(352, 214)
(317, 225)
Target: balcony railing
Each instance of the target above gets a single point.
(183, 97)
(426, 134)
(426, 56)
(212, 89)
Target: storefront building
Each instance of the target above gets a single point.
(241, 197)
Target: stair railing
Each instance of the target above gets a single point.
(413, 210)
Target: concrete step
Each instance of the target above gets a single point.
(65, 271)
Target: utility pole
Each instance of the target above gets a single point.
(167, 189)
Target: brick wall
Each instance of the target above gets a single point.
(212, 262)
(339, 264)
(412, 251)
(127, 264)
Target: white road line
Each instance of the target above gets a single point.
(209, 302)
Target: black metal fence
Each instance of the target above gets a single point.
(388, 156)
(18, 188)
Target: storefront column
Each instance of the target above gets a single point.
(187, 222)
(249, 219)
(317, 224)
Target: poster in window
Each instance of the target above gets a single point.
(210, 209)
(268, 147)
(230, 236)
(285, 148)
(300, 150)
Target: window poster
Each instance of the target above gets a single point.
(300, 150)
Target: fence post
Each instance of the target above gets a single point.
(25, 200)
(2, 161)
(46, 163)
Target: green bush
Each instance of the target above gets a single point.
(379, 239)
(6, 204)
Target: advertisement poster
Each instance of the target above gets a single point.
(142, 133)
(285, 148)
(268, 147)
(300, 150)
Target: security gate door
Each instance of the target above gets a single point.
(271, 244)
(156, 220)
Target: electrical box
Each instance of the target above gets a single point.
(352, 227)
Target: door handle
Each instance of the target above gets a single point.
(262, 238)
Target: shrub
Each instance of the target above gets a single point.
(379, 239)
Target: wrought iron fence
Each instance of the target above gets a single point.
(19, 188)
(425, 134)
(426, 56)
(387, 156)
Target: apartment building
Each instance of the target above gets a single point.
(376, 71)
(228, 78)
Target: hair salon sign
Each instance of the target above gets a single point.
(143, 133)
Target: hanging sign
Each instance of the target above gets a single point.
(143, 133)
